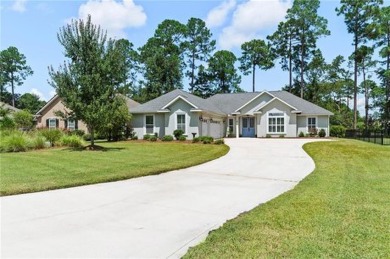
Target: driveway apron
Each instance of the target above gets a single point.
(155, 216)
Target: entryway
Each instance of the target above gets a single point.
(248, 127)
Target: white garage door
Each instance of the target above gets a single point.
(215, 130)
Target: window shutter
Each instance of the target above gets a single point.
(66, 124)
(47, 123)
(57, 123)
(76, 124)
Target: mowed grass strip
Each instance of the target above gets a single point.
(59, 168)
(341, 210)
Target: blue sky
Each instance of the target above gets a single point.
(32, 26)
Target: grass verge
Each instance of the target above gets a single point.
(341, 210)
(60, 168)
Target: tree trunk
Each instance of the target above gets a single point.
(192, 73)
(92, 137)
(355, 88)
(253, 76)
(12, 90)
(290, 63)
(302, 68)
(366, 96)
(387, 86)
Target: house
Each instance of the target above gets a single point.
(8, 107)
(258, 114)
(46, 117)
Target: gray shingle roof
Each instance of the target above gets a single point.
(8, 107)
(228, 103)
(161, 101)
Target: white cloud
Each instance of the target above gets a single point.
(114, 16)
(38, 93)
(19, 6)
(250, 18)
(217, 16)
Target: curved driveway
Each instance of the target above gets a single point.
(151, 217)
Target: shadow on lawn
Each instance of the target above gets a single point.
(94, 148)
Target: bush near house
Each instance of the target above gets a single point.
(301, 134)
(73, 141)
(322, 133)
(219, 142)
(337, 131)
(147, 137)
(167, 138)
(177, 133)
(182, 138)
(206, 139)
(153, 138)
(52, 135)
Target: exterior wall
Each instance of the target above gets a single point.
(48, 113)
(191, 119)
(255, 104)
(322, 123)
(290, 120)
(138, 123)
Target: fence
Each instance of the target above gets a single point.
(378, 137)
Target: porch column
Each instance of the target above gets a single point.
(237, 127)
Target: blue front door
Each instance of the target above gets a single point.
(248, 127)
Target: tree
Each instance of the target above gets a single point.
(308, 27)
(13, 70)
(255, 53)
(282, 43)
(201, 86)
(358, 16)
(198, 46)
(222, 72)
(89, 82)
(30, 102)
(23, 120)
(162, 57)
(315, 76)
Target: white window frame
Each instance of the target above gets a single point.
(55, 123)
(307, 122)
(232, 125)
(154, 124)
(284, 122)
(185, 120)
(73, 123)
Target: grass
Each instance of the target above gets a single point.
(341, 210)
(60, 168)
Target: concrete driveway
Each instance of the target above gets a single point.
(151, 217)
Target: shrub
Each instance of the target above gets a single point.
(301, 134)
(195, 140)
(313, 132)
(322, 133)
(268, 136)
(182, 138)
(153, 138)
(177, 133)
(52, 135)
(73, 141)
(7, 123)
(38, 142)
(167, 138)
(23, 120)
(87, 137)
(281, 136)
(15, 142)
(134, 137)
(206, 139)
(77, 132)
(147, 137)
(337, 131)
(219, 142)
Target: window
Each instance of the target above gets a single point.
(52, 123)
(311, 124)
(149, 124)
(181, 122)
(231, 125)
(276, 122)
(71, 125)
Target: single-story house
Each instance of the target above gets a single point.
(258, 114)
(8, 107)
(46, 117)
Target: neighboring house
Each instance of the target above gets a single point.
(8, 107)
(46, 117)
(272, 113)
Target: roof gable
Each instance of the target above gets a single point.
(176, 99)
(251, 100)
(278, 99)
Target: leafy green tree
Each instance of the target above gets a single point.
(256, 53)
(23, 120)
(6, 121)
(30, 102)
(198, 47)
(282, 44)
(308, 27)
(202, 87)
(14, 70)
(359, 16)
(315, 76)
(222, 72)
(88, 83)
(162, 57)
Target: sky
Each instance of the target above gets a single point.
(32, 27)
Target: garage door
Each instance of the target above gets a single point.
(215, 129)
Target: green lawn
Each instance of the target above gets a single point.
(59, 168)
(341, 210)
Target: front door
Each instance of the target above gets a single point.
(248, 127)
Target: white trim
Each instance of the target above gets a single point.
(196, 110)
(276, 98)
(296, 112)
(284, 122)
(307, 122)
(55, 122)
(174, 100)
(254, 99)
(163, 111)
(74, 124)
(154, 124)
(185, 121)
